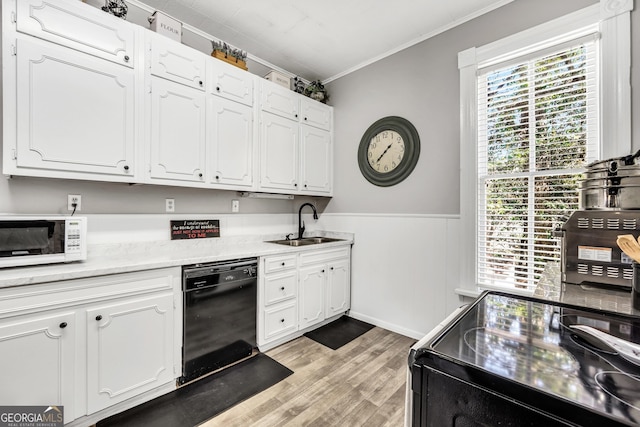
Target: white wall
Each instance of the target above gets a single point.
(403, 268)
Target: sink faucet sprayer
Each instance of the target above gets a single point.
(301, 227)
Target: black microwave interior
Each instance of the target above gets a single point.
(37, 237)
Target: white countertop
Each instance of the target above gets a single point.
(127, 257)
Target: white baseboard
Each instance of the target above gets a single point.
(388, 326)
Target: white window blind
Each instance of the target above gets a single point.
(537, 129)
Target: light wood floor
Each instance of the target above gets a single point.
(361, 383)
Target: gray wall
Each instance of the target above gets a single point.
(421, 84)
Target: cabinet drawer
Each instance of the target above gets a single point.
(78, 26)
(177, 62)
(273, 264)
(321, 256)
(279, 287)
(280, 320)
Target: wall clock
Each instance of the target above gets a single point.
(388, 151)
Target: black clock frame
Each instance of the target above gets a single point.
(411, 140)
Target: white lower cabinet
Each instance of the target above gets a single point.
(311, 300)
(297, 292)
(338, 290)
(88, 344)
(129, 349)
(38, 360)
(324, 285)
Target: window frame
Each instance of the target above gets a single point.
(612, 21)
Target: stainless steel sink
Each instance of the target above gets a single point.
(323, 239)
(305, 241)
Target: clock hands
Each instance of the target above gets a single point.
(384, 152)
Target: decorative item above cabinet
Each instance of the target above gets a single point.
(226, 53)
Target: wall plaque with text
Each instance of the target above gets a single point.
(195, 229)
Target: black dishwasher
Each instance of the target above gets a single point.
(219, 310)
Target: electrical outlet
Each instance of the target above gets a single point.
(235, 205)
(74, 198)
(170, 205)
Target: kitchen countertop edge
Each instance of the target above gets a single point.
(106, 259)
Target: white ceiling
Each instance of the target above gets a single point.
(323, 40)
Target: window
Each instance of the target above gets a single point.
(537, 129)
(536, 108)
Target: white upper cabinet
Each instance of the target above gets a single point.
(315, 114)
(75, 113)
(230, 82)
(177, 62)
(307, 169)
(279, 148)
(317, 165)
(231, 147)
(73, 24)
(89, 96)
(279, 100)
(177, 132)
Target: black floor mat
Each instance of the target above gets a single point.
(199, 401)
(339, 332)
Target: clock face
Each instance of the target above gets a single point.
(388, 151)
(385, 151)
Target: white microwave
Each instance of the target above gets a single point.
(35, 240)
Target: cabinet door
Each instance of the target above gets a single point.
(177, 131)
(129, 349)
(79, 26)
(316, 154)
(75, 111)
(231, 140)
(278, 153)
(279, 100)
(338, 288)
(177, 62)
(38, 361)
(311, 295)
(315, 114)
(231, 82)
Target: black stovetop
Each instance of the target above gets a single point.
(529, 343)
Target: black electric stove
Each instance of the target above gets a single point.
(517, 361)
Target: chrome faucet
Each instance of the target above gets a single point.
(300, 223)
